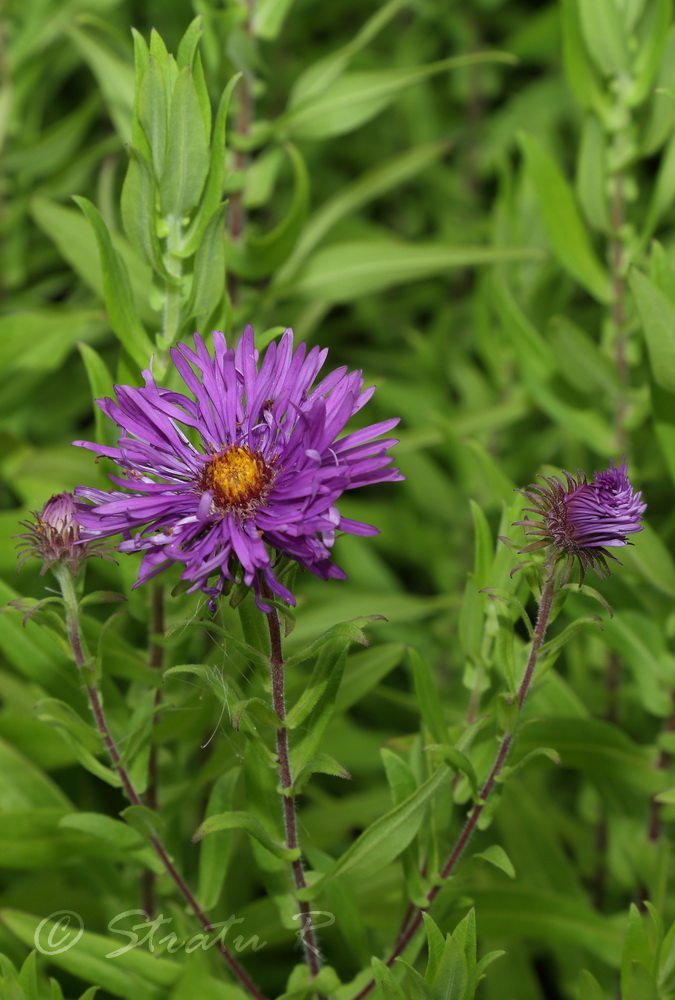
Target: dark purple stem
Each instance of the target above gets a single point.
(67, 583)
(411, 927)
(290, 822)
(156, 661)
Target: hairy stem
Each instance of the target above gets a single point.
(156, 661)
(411, 926)
(308, 936)
(67, 583)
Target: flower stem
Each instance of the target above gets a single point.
(67, 584)
(411, 926)
(290, 822)
(156, 660)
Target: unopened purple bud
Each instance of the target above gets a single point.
(583, 519)
(54, 536)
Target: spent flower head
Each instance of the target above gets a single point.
(54, 536)
(247, 467)
(583, 519)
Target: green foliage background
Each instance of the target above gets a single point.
(491, 239)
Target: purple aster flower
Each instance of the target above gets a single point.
(54, 536)
(247, 467)
(584, 519)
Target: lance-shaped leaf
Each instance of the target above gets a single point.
(347, 271)
(657, 313)
(386, 838)
(564, 227)
(208, 280)
(138, 210)
(117, 290)
(252, 826)
(187, 157)
(263, 254)
(354, 98)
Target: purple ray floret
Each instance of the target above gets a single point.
(605, 511)
(247, 467)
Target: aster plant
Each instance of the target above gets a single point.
(231, 479)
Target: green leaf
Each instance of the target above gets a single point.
(215, 179)
(76, 241)
(318, 76)
(138, 206)
(315, 711)
(268, 18)
(354, 98)
(349, 199)
(452, 976)
(187, 47)
(653, 37)
(256, 707)
(579, 69)
(591, 182)
(458, 761)
(264, 254)
(428, 698)
(101, 385)
(347, 271)
(143, 820)
(593, 747)
(114, 74)
(564, 228)
(498, 857)
(657, 313)
(117, 290)
(187, 157)
(605, 35)
(208, 282)
(589, 987)
(252, 826)
(216, 851)
(386, 838)
(364, 671)
(83, 739)
(321, 763)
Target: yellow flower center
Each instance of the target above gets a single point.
(238, 477)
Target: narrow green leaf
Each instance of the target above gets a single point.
(321, 763)
(269, 17)
(497, 856)
(589, 987)
(215, 180)
(252, 826)
(604, 35)
(318, 76)
(139, 210)
(354, 98)
(591, 182)
(347, 271)
(208, 282)
(349, 199)
(428, 698)
(387, 837)
(657, 314)
(116, 290)
(564, 228)
(216, 851)
(264, 254)
(101, 385)
(452, 975)
(187, 157)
